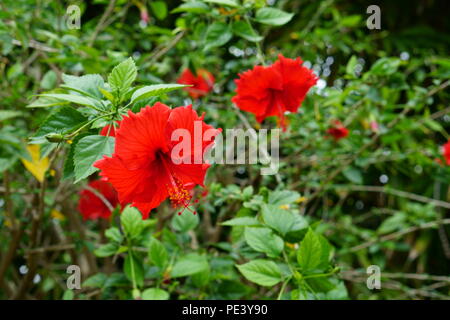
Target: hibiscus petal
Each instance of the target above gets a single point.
(141, 135)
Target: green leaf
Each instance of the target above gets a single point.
(273, 16)
(154, 90)
(192, 7)
(157, 253)
(114, 235)
(88, 85)
(45, 102)
(8, 114)
(264, 240)
(123, 76)
(68, 295)
(263, 272)
(159, 8)
(229, 3)
(64, 120)
(106, 250)
(133, 269)
(278, 219)
(76, 99)
(244, 29)
(95, 281)
(185, 221)
(88, 150)
(353, 174)
(49, 80)
(281, 197)
(155, 294)
(314, 253)
(189, 265)
(351, 64)
(131, 221)
(217, 35)
(69, 166)
(241, 221)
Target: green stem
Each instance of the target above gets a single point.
(133, 274)
(283, 287)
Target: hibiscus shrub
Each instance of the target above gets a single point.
(94, 184)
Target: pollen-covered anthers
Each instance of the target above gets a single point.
(179, 196)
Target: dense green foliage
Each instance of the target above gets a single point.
(378, 197)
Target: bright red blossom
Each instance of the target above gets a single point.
(142, 168)
(273, 90)
(338, 131)
(202, 83)
(92, 206)
(109, 130)
(446, 152)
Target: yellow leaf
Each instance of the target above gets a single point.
(36, 166)
(301, 199)
(57, 215)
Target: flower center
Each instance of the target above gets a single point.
(179, 196)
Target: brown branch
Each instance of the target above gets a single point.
(398, 234)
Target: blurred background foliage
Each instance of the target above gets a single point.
(380, 196)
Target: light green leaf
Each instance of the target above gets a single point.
(155, 294)
(49, 80)
(88, 150)
(185, 221)
(281, 197)
(244, 30)
(45, 102)
(106, 250)
(351, 64)
(278, 219)
(114, 235)
(157, 253)
(242, 221)
(123, 76)
(273, 16)
(131, 221)
(76, 99)
(263, 272)
(217, 35)
(353, 174)
(8, 114)
(189, 265)
(229, 3)
(264, 240)
(88, 85)
(95, 281)
(154, 90)
(192, 7)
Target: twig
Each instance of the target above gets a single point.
(399, 193)
(398, 234)
(102, 23)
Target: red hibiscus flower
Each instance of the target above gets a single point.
(271, 91)
(446, 152)
(99, 203)
(110, 130)
(338, 131)
(145, 168)
(201, 84)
